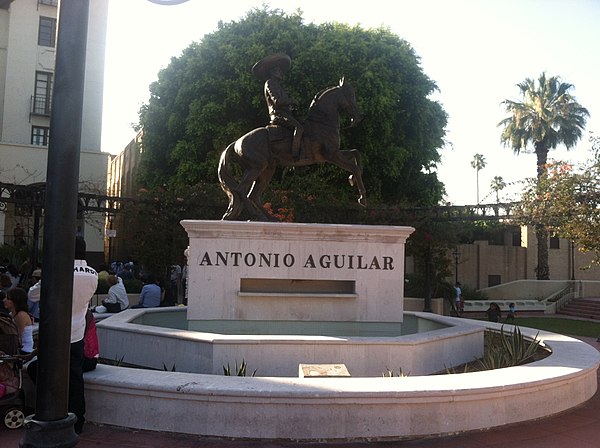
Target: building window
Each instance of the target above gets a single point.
(40, 135)
(516, 239)
(43, 93)
(47, 32)
(494, 279)
(554, 242)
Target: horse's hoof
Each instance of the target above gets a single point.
(362, 201)
(351, 180)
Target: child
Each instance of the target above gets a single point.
(512, 311)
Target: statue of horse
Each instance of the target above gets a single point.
(261, 150)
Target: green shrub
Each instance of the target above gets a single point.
(14, 255)
(470, 293)
(414, 286)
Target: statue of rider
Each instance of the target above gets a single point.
(271, 70)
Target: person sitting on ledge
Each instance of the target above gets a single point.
(117, 299)
(151, 294)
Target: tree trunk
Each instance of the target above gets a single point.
(478, 187)
(542, 158)
(542, 270)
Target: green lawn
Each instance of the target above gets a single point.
(569, 327)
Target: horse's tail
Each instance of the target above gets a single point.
(229, 184)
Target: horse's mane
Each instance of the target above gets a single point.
(319, 94)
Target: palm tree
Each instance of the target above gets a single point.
(497, 185)
(478, 163)
(548, 116)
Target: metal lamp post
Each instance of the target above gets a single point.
(52, 424)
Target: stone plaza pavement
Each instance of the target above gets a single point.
(576, 428)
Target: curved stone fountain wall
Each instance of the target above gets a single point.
(344, 408)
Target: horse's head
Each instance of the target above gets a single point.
(333, 100)
(350, 104)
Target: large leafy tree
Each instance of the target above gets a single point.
(547, 116)
(208, 97)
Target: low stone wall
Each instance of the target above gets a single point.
(418, 304)
(589, 288)
(525, 290)
(528, 306)
(346, 408)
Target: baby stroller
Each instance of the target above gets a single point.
(12, 397)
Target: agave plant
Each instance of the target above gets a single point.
(509, 349)
(239, 371)
(388, 373)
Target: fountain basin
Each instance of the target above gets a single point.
(427, 345)
(355, 408)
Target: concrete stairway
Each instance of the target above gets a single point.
(586, 308)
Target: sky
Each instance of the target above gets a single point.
(476, 51)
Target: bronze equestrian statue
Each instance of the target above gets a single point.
(271, 70)
(261, 150)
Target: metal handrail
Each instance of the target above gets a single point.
(561, 298)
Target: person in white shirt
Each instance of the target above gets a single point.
(34, 293)
(85, 282)
(458, 298)
(117, 299)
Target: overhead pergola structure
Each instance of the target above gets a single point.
(479, 212)
(30, 200)
(33, 195)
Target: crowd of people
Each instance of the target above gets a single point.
(83, 353)
(20, 300)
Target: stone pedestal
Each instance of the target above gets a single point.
(244, 271)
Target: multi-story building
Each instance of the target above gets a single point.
(513, 256)
(121, 183)
(28, 37)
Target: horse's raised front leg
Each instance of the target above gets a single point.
(350, 160)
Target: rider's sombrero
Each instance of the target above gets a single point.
(263, 67)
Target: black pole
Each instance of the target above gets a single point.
(52, 425)
(428, 280)
(37, 212)
(456, 255)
